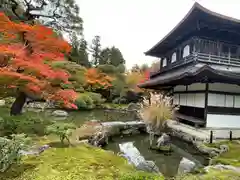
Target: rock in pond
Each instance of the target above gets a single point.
(186, 166)
(2, 102)
(131, 131)
(99, 139)
(163, 140)
(131, 153)
(60, 113)
(133, 106)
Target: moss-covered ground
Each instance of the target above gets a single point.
(74, 163)
(89, 163)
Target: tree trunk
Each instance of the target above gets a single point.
(18, 104)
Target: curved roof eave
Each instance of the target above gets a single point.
(195, 6)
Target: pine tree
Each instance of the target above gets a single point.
(96, 51)
(79, 52)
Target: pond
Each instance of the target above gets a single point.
(167, 163)
(79, 117)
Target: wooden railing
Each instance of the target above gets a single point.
(190, 58)
(230, 61)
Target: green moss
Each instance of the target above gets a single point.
(212, 175)
(229, 158)
(82, 162)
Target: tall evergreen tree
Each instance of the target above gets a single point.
(79, 52)
(112, 56)
(96, 50)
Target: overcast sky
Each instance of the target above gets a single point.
(134, 26)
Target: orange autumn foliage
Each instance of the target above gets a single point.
(97, 80)
(26, 52)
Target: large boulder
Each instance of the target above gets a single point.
(131, 153)
(60, 113)
(2, 102)
(186, 166)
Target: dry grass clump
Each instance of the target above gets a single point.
(156, 111)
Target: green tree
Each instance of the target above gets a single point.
(79, 52)
(62, 15)
(112, 56)
(96, 50)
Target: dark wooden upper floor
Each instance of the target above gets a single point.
(203, 50)
(202, 35)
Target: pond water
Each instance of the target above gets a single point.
(167, 163)
(79, 117)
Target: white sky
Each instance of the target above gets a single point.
(134, 26)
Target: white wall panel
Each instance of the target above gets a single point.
(196, 87)
(237, 101)
(183, 99)
(191, 99)
(229, 101)
(223, 121)
(179, 88)
(224, 87)
(200, 100)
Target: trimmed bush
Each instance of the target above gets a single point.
(89, 100)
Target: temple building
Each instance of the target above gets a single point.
(200, 68)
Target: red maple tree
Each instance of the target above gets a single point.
(26, 52)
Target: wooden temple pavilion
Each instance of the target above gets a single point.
(200, 67)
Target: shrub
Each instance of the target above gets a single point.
(89, 100)
(9, 150)
(84, 101)
(25, 123)
(97, 98)
(63, 130)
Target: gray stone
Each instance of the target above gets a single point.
(163, 140)
(212, 152)
(2, 102)
(186, 166)
(223, 167)
(148, 166)
(99, 139)
(59, 113)
(131, 131)
(36, 151)
(224, 148)
(133, 106)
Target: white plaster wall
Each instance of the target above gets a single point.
(179, 88)
(223, 121)
(224, 87)
(224, 133)
(197, 86)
